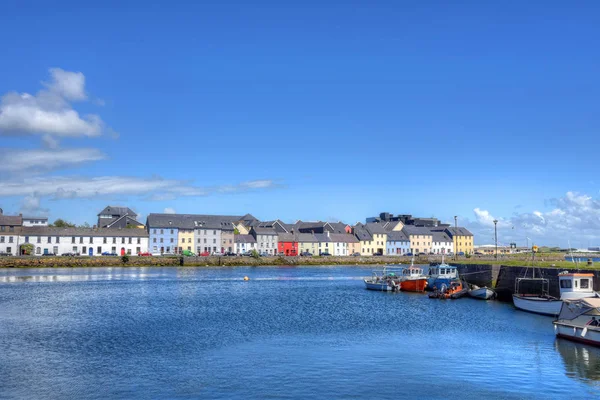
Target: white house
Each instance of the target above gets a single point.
(244, 243)
(266, 239)
(35, 221)
(441, 243)
(397, 243)
(10, 227)
(85, 241)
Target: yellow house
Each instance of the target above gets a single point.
(462, 238)
(185, 239)
(307, 242)
(395, 226)
(242, 228)
(372, 238)
(420, 239)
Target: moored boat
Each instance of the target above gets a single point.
(413, 279)
(442, 274)
(384, 280)
(579, 320)
(455, 290)
(482, 293)
(572, 286)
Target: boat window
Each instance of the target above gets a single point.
(565, 284)
(584, 283)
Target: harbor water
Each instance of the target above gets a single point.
(286, 333)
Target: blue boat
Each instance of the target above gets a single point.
(442, 274)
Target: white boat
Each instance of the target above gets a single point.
(572, 286)
(385, 280)
(483, 293)
(579, 320)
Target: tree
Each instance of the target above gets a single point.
(61, 223)
(27, 249)
(236, 231)
(84, 225)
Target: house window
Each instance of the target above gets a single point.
(10, 239)
(172, 240)
(1, 239)
(171, 231)
(154, 240)
(38, 250)
(214, 241)
(189, 240)
(114, 240)
(154, 231)
(104, 240)
(26, 239)
(57, 240)
(81, 239)
(182, 240)
(99, 249)
(139, 241)
(161, 240)
(9, 250)
(91, 240)
(162, 231)
(73, 239)
(39, 239)
(214, 232)
(128, 252)
(129, 241)
(204, 240)
(122, 240)
(138, 250)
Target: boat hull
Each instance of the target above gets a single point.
(538, 305)
(482, 293)
(414, 285)
(379, 286)
(592, 336)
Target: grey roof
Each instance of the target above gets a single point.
(440, 237)
(338, 227)
(362, 233)
(397, 236)
(308, 226)
(105, 232)
(306, 238)
(322, 237)
(263, 231)
(129, 221)
(416, 230)
(375, 228)
(192, 221)
(244, 239)
(286, 237)
(11, 220)
(248, 218)
(117, 210)
(459, 231)
(41, 218)
(390, 225)
(343, 238)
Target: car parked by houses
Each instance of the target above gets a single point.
(107, 253)
(306, 254)
(355, 254)
(325, 254)
(204, 254)
(146, 254)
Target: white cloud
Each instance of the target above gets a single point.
(23, 160)
(169, 210)
(31, 206)
(574, 217)
(60, 187)
(70, 85)
(49, 111)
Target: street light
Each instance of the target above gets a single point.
(455, 241)
(496, 236)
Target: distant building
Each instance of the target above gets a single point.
(266, 239)
(462, 239)
(35, 221)
(10, 228)
(397, 243)
(406, 219)
(287, 243)
(244, 243)
(85, 241)
(441, 243)
(307, 242)
(420, 238)
(372, 237)
(118, 217)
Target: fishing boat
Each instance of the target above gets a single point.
(455, 290)
(572, 286)
(482, 293)
(384, 280)
(441, 274)
(579, 320)
(413, 279)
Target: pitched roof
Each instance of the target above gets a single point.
(397, 236)
(11, 220)
(117, 210)
(338, 227)
(129, 221)
(458, 231)
(286, 237)
(343, 238)
(306, 238)
(362, 233)
(259, 230)
(192, 221)
(375, 228)
(244, 239)
(440, 237)
(105, 232)
(416, 230)
(322, 237)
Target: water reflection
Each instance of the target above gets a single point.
(581, 361)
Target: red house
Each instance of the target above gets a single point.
(287, 243)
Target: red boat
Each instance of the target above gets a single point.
(413, 279)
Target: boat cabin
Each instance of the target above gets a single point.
(576, 283)
(443, 271)
(412, 272)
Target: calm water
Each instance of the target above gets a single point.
(289, 333)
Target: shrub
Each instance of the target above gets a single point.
(125, 259)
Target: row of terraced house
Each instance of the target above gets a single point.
(119, 232)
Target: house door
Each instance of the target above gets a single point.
(91, 251)
(122, 251)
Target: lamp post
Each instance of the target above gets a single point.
(454, 236)
(496, 236)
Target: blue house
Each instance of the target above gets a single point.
(163, 231)
(397, 244)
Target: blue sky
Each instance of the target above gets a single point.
(306, 110)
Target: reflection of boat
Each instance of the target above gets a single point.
(384, 280)
(579, 320)
(441, 274)
(580, 360)
(484, 293)
(572, 286)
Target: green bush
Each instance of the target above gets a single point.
(125, 259)
(255, 254)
